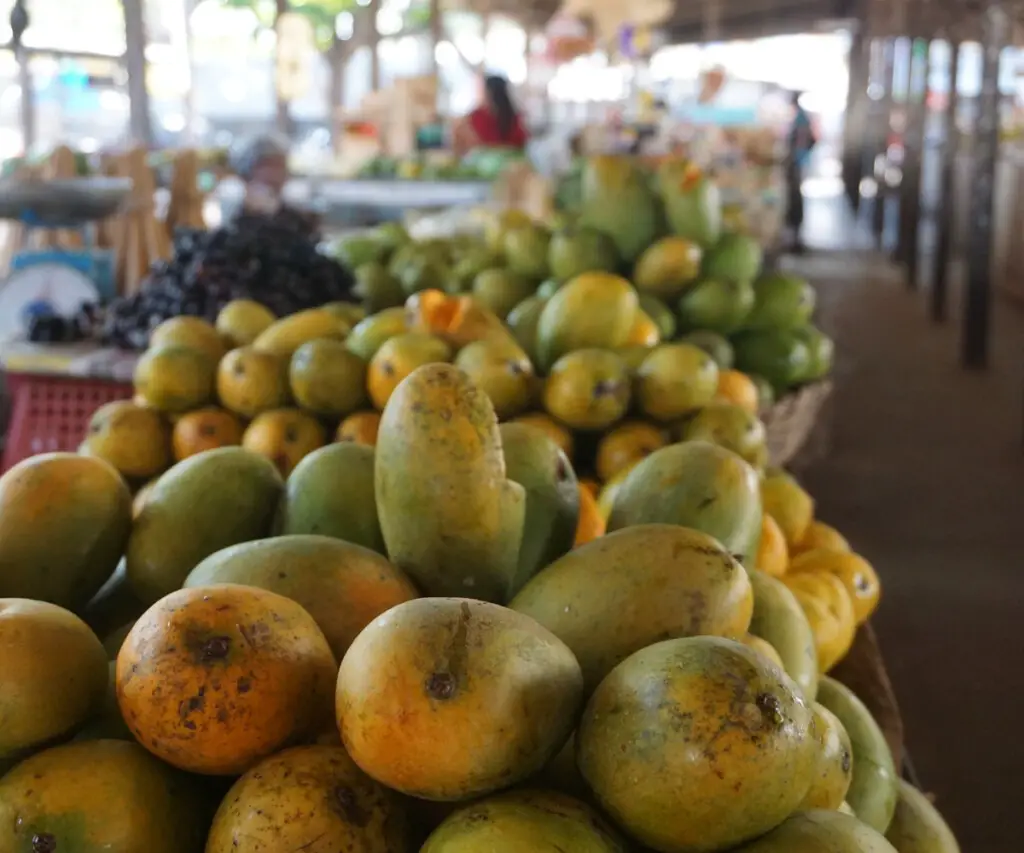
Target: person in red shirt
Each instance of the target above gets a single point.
(495, 123)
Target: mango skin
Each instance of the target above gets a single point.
(779, 620)
(342, 586)
(64, 522)
(54, 674)
(525, 821)
(835, 762)
(533, 460)
(430, 667)
(104, 795)
(450, 518)
(638, 586)
(312, 799)
(698, 485)
(331, 493)
(820, 832)
(874, 788)
(696, 745)
(205, 503)
(917, 826)
(286, 335)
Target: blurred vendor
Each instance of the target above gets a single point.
(496, 123)
(262, 163)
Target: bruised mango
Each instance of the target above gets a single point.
(698, 485)
(440, 469)
(250, 382)
(640, 585)
(64, 522)
(696, 744)
(433, 666)
(108, 795)
(54, 674)
(251, 669)
(528, 821)
(220, 498)
(311, 799)
(341, 585)
(134, 439)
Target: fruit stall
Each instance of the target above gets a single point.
(477, 542)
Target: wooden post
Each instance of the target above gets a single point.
(943, 202)
(977, 304)
(135, 66)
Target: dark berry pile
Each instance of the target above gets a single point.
(270, 259)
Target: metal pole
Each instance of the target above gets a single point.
(856, 108)
(135, 65)
(19, 24)
(913, 144)
(943, 202)
(883, 128)
(977, 304)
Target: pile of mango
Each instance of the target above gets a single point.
(401, 647)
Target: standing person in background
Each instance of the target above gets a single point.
(262, 163)
(495, 123)
(801, 141)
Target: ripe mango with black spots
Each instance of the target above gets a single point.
(219, 498)
(250, 382)
(502, 371)
(588, 389)
(440, 469)
(641, 585)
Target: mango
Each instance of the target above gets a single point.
(526, 251)
(698, 485)
(526, 820)
(821, 353)
(289, 333)
(594, 310)
(823, 536)
(696, 744)
(675, 379)
(715, 305)
(64, 523)
(874, 789)
(640, 585)
(693, 203)
(341, 807)
(715, 345)
(107, 795)
(739, 389)
(221, 497)
(174, 378)
(370, 334)
(588, 389)
(502, 371)
(500, 290)
(779, 619)
(376, 288)
(917, 826)
(538, 464)
(360, 427)
(328, 379)
(555, 431)
(781, 301)
(625, 445)
(573, 252)
(618, 201)
(779, 355)
(856, 574)
(666, 267)
(342, 586)
(433, 666)
(763, 648)
(731, 427)
(735, 257)
(789, 504)
(191, 333)
(523, 321)
(817, 832)
(439, 469)
(660, 313)
(285, 437)
(397, 358)
(330, 493)
(835, 762)
(205, 429)
(241, 321)
(134, 439)
(772, 551)
(54, 675)
(250, 382)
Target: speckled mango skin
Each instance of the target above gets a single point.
(451, 698)
(780, 621)
(874, 788)
(917, 826)
(820, 832)
(213, 679)
(64, 522)
(104, 796)
(529, 821)
(450, 517)
(311, 799)
(208, 502)
(622, 592)
(835, 762)
(695, 484)
(342, 586)
(696, 745)
(53, 671)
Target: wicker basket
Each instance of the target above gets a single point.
(863, 671)
(791, 421)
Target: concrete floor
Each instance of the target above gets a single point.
(925, 475)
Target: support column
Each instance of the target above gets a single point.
(856, 125)
(883, 127)
(135, 65)
(913, 146)
(977, 304)
(943, 202)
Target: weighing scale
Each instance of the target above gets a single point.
(55, 280)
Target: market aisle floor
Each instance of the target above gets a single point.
(925, 474)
